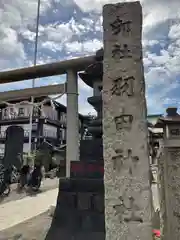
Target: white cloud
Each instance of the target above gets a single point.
(61, 33)
(10, 47)
(94, 5)
(15, 17)
(20, 13)
(174, 32)
(90, 46)
(52, 46)
(59, 37)
(65, 3)
(27, 34)
(58, 33)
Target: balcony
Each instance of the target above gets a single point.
(49, 134)
(2, 135)
(14, 116)
(46, 134)
(63, 120)
(26, 134)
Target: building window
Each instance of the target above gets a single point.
(35, 112)
(63, 118)
(63, 134)
(34, 127)
(54, 115)
(80, 124)
(21, 112)
(12, 113)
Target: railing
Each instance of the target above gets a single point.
(46, 133)
(17, 116)
(49, 133)
(3, 134)
(87, 137)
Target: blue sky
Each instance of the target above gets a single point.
(71, 28)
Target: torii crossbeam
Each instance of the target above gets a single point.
(35, 92)
(45, 70)
(70, 68)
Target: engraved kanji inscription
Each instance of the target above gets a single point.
(120, 209)
(127, 211)
(123, 86)
(133, 215)
(123, 121)
(133, 161)
(120, 160)
(120, 51)
(120, 26)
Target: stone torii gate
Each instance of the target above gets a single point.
(69, 67)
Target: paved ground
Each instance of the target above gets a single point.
(15, 212)
(27, 217)
(47, 184)
(32, 229)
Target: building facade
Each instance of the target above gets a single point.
(48, 123)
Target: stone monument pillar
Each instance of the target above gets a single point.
(170, 175)
(14, 147)
(128, 198)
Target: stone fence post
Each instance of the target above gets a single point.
(170, 184)
(160, 182)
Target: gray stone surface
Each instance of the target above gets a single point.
(169, 176)
(163, 226)
(172, 194)
(128, 198)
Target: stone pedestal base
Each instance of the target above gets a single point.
(79, 213)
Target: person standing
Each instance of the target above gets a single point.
(24, 176)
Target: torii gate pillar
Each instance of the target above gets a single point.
(72, 131)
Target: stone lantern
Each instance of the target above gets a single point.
(171, 127)
(91, 150)
(92, 76)
(80, 212)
